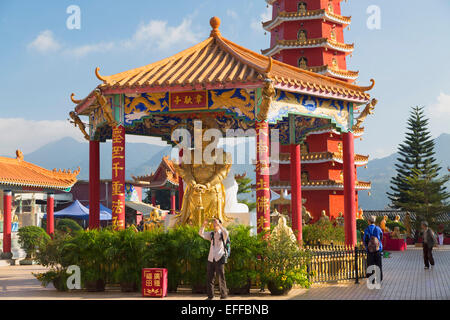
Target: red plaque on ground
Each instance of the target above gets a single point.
(154, 282)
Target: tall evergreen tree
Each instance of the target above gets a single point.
(416, 154)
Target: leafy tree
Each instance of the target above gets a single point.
(426, 197)
(416, 153)
(244, 186)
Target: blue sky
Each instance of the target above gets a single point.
(42, 61)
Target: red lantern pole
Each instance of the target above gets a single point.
(296, 191)
(349, 189)
(180, 184)
(94, 184)
(172, 201)
(7, 198)
(50, 214)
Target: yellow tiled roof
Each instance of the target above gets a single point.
(17, 172)
(218, 61)
(334, 71)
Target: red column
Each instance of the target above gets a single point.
(153, 197)
(262, 176)
(296, 191)
(180, 185)
(349, 189)
(94, 184)
(118, 177)
(7, 197)
(50, 214)
(172, 201)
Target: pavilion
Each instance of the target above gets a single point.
(18, 175)
(237, 88)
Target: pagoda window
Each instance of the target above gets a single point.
(333, 35)
(301, 8)
(301, 35)
(334, 63)
(304, 148)
(330, 7)
(303, 63)
(305, 176)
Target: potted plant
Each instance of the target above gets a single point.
(283, 265)
(52, 257)
(31, 239)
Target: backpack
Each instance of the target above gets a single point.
(374, 244)
(226, 246)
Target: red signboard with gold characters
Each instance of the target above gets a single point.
(188, 100)
(154, 282)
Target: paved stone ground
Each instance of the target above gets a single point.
(404, 279)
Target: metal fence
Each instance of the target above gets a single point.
(330, 263)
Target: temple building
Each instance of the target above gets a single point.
(164, 178)
(309, 34)
(18, 176)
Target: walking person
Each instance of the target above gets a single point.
(373, 237)
(429, 240)
(216, 258)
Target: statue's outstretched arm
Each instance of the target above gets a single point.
(185, 172)
(221, 173)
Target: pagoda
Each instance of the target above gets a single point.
(309, 34)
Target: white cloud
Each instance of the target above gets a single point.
(157, 33)
(439, 114)
(232, 14)
(30, 135)
(90, 48)
(44, 42)
(263, 17)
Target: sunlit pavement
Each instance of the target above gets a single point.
(404, 279)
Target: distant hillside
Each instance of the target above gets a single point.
(143, 158)
(380, 171)
(68, 153)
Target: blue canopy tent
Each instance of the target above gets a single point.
(105, 212)
(77, 211)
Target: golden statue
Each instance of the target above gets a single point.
(397, 218)
(204, 197)
(383, 224)
(306, 215)
(340, 219)
(407, 223)
(301, 7)
(302, 36)
(302, 63)
(367, 110)
(360, 215)
(396, 233)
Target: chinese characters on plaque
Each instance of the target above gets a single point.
(154, 282)
(118, 177)
(189, 100)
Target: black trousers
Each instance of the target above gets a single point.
(428, 255)
(219, 268)
(374, 258)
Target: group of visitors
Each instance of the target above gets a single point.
(373, 237)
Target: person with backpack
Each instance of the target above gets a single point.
(218, 254)
(373, 237)
(429, 240)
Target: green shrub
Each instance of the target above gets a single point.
(68, 226)
(32, 239)
(323, 231)
(361, 225)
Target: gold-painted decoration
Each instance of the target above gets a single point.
(99, 77)
(268, 93)
(73, 99)
(367, 110)
(78, 123)
(106, 107)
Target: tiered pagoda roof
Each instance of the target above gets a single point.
(218, 63)
(165, 177)
(317, 157)
(306, 15)
(16, 173)
(335, 72)
(319, 185)
(308, 43)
